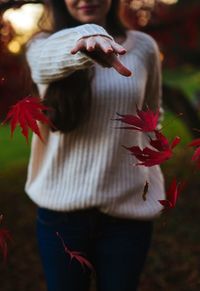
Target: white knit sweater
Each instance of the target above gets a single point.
(88, 167)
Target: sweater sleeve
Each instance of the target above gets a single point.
(153, 94)
(50, 58)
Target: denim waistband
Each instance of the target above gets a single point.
(84, 214)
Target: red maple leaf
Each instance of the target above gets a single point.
(195, 142)
(144, 121)
(4, 237)
(76, 255)
(161, 143)
(26, 113)
(196, 155)
(150, 157)
(171, 195)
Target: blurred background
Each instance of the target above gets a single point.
(173, 262)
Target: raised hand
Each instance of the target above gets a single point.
(104, 51)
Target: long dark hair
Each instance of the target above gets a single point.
(71, 104)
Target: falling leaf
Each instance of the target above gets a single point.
(161, 143)
(144, 121)
(26, 113)
(76, 255)
(145, 191)
(195, 142)
(172, 195)
(196, 155)
(149, 157)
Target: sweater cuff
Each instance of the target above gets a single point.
(90, 30)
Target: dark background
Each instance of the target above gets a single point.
(173, 262)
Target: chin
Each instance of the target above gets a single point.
(89, 19)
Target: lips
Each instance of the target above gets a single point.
(88, 8)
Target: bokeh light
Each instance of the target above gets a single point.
(143, 8)
(14, 46)
(24, 21)
(169, 1)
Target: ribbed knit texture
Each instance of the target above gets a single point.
(89, 167)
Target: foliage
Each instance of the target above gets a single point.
(13, 152)
(185, 78)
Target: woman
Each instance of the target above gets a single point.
(80, 177)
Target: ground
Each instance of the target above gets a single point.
(173, 262)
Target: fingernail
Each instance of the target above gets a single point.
(110, 50)
(122, 52)
(131, 74)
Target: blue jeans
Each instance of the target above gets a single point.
(116, 247)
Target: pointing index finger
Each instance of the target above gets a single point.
(120, 68)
